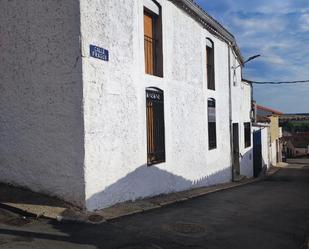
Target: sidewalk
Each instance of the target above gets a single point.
(28, 203)
(294, 164)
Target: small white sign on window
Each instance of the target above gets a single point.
(149, 4)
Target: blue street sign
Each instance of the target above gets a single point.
(99, 53)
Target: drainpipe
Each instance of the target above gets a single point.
(253, 111)
(230, 112)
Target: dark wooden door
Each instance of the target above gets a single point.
(236, 165)
(257, 153)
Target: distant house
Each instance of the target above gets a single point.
(297, 145)
(286, 134)
(271, 117)
(294, 117)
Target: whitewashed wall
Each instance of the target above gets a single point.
(75, 127)
(41, 122)
(241, 108)
(115, 108)
(266, 149)
(246, 163)
(274, 150)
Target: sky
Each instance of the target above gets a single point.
(279, 31)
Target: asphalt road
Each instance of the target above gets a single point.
(272, 214)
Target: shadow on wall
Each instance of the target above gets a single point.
(246, 163)
(150, 181)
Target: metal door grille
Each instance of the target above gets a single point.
(155, 126)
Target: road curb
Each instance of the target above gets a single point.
(131, 208)
(208, 190)
(18, 211)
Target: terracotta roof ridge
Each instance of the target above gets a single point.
(269, 109)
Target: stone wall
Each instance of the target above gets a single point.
(41, 116)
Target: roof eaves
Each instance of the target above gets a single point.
(209, 23)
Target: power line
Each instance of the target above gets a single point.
(277, 82)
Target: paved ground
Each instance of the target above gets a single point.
(27, 202)
(272, 214)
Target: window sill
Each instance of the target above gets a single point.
(155, 163)
(153, 75)
(212, 149)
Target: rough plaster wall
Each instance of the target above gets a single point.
(241, 107)
(265, 145)
(110, 107)
(246, 163)
(274, 133)
(41, 124)
(273, 152)
(115, 109)
(219, 159)
(274, 127)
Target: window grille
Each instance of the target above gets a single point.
(212, 130)
(153, 41)
(155, 126)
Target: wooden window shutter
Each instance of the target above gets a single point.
(149, 43)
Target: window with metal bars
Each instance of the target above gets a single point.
(210, 60)
(212, 130)
(247, 131)
(155, 126)
(153, 40)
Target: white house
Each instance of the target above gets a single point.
(108, 101)
(275, 132)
